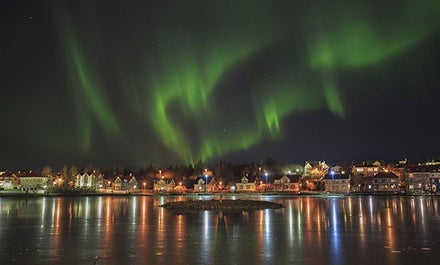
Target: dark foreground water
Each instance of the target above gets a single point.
(134, 230)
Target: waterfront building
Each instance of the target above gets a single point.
(34, 183)
(245, 185)
(9, 181)
(212, 185)
(164, 185)
(86, 180)
(338, 183)
(287, 183)
(132, 183)
(422, 179)
(200, 185)
(125, 183)
(362, 176)
(386, 182)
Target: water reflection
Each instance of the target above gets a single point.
(130, 230)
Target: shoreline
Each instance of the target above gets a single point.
(247, 194)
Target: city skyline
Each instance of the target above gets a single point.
(174, 82)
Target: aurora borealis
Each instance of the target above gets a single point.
(176, 81)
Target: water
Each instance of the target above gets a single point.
(134, 230)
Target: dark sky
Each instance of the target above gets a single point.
(107, 82)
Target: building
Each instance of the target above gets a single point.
(421, 179)
(338, 183)
(132, 184)
(362, 176)
(34, 183)
(315, 169)
(164, 185)
(9, 181)
(201, 185)
(125, 183)
(366, 169)
(386, 182)
(212, 185)
(287, 183)
(88, 181)
(245, 185)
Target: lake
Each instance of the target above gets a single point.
(135, 230)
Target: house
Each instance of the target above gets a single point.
(287, 183)
(89, 181)
(212, 185)
(399, 168)
(245, 185)
(434, 181)
(421, 179)
(362, 175)
(9, 181)
(125, 183)
(132, 184)
(315, 169)
(117, 184)
(34, 183)
(338, 183)
(200, 185)
(366, 169)
(164, 185)
(386, 182)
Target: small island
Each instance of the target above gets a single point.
(220, 205)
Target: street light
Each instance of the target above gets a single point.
(206, 179)
(333, 184)
(266, 174)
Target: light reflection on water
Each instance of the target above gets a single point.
(133, 230)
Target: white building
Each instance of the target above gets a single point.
(245, 185)
(86, 180)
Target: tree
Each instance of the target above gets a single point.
(70, 179)
(47, 171)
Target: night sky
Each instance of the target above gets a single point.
(107, 82)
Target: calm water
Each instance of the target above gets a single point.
(134, 230)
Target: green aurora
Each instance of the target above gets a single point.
(191, 78)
